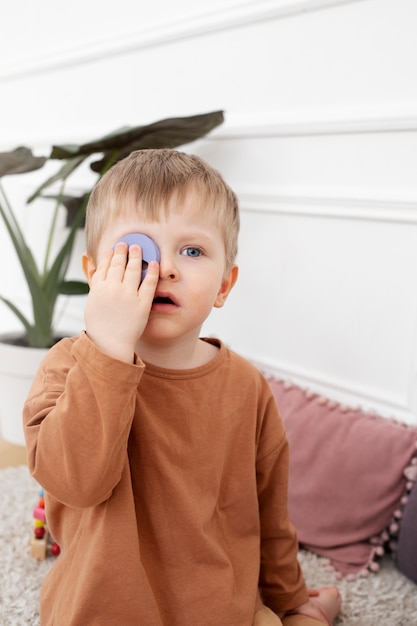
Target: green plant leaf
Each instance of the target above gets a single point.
(24, 254)
(62, 175)
(56, 273)
(167, 133)
(19, 161)
(71, 150)
(27, 325)
(74, 288)
(72, 204)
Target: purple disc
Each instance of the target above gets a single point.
(150, 251)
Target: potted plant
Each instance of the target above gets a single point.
(45, 284)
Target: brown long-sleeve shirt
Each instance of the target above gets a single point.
(166, 489)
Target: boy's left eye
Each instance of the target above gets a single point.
(191, 251)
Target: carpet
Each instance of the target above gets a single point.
(383, 599)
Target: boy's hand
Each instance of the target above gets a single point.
(312, 610)
(117, 309)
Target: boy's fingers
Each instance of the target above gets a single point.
(133, 272)
(153, 269)
(102, 266)
(118, 261)
(150, 282)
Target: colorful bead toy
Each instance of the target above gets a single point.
(42, 541)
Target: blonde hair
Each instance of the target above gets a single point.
(145, 182)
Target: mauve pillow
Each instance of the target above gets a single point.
(347, 477)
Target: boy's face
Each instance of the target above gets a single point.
(192, 274)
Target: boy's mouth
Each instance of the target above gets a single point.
(163, 300)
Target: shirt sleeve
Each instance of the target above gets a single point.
(77, 420)
(281, 581)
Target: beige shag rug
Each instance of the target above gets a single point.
(383, 599)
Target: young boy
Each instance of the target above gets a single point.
(163, 456)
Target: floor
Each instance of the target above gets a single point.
(11, 455)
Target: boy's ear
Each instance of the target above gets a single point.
(88, 266)
(226, 287)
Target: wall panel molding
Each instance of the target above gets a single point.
(154, 35)
(400, 117)
(335, 207)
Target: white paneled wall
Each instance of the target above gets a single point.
(320, 143)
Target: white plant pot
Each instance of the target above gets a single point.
(18, 366)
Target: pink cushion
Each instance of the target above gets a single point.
(347, 477)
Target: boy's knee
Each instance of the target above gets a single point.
(266, 617)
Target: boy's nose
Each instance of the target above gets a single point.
(167, 268)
